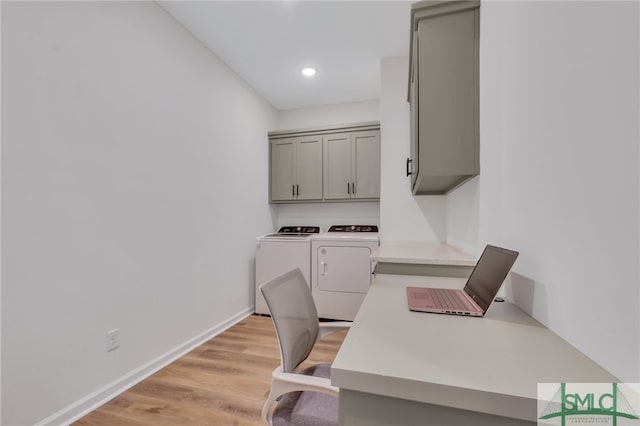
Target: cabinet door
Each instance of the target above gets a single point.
(366, 165)
(337, 166)
(283, 154)
(414, 158)
(309, 168)
(447, 97)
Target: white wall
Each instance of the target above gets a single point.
(348, 113)
(133, 164)
(327, 214)
(403, 217)
(462, 206)
(560, 167)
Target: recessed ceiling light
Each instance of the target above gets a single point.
(308, 71)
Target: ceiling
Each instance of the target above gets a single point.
(267, 43)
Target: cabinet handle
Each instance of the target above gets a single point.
(348, 188)
(293, 190)
(409, 161)
(297, 189)
(353, 188)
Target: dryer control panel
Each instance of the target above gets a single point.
(353, 228)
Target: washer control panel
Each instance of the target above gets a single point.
(299, 230)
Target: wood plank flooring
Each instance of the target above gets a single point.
(223, 382)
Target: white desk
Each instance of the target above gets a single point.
(409, 368)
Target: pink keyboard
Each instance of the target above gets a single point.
(450, 299)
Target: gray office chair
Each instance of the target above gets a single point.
(308, 399)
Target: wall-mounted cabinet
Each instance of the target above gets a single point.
(443, 94)
(351, 165)
(339, 163)
(296, 168)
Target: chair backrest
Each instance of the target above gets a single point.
(294, 316)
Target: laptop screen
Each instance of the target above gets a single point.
(490, 271)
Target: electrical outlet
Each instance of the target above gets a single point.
(112, 342)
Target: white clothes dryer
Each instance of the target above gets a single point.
(281, 252)
(341, 269)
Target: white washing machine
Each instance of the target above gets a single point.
(281, 252)
(341, 270)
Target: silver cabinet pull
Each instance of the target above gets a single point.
(409, 161)
(293, 190)
(353, 188)
(297, 189)
(348, 188)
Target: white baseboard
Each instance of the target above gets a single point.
(85, 405)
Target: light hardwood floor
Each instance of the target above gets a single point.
(223, 382)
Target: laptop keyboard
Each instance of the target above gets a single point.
(446, 299)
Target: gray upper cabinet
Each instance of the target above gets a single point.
(366, 164)
(296, 168)
(443, 94)
(325, 164)
(309, 168)
(337, 166)
(352, 165)
(282, 169)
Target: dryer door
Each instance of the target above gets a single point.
(344, 269)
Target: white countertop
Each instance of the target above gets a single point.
(490, 364)
(425, 253)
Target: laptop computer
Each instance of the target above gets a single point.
(476, 296)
